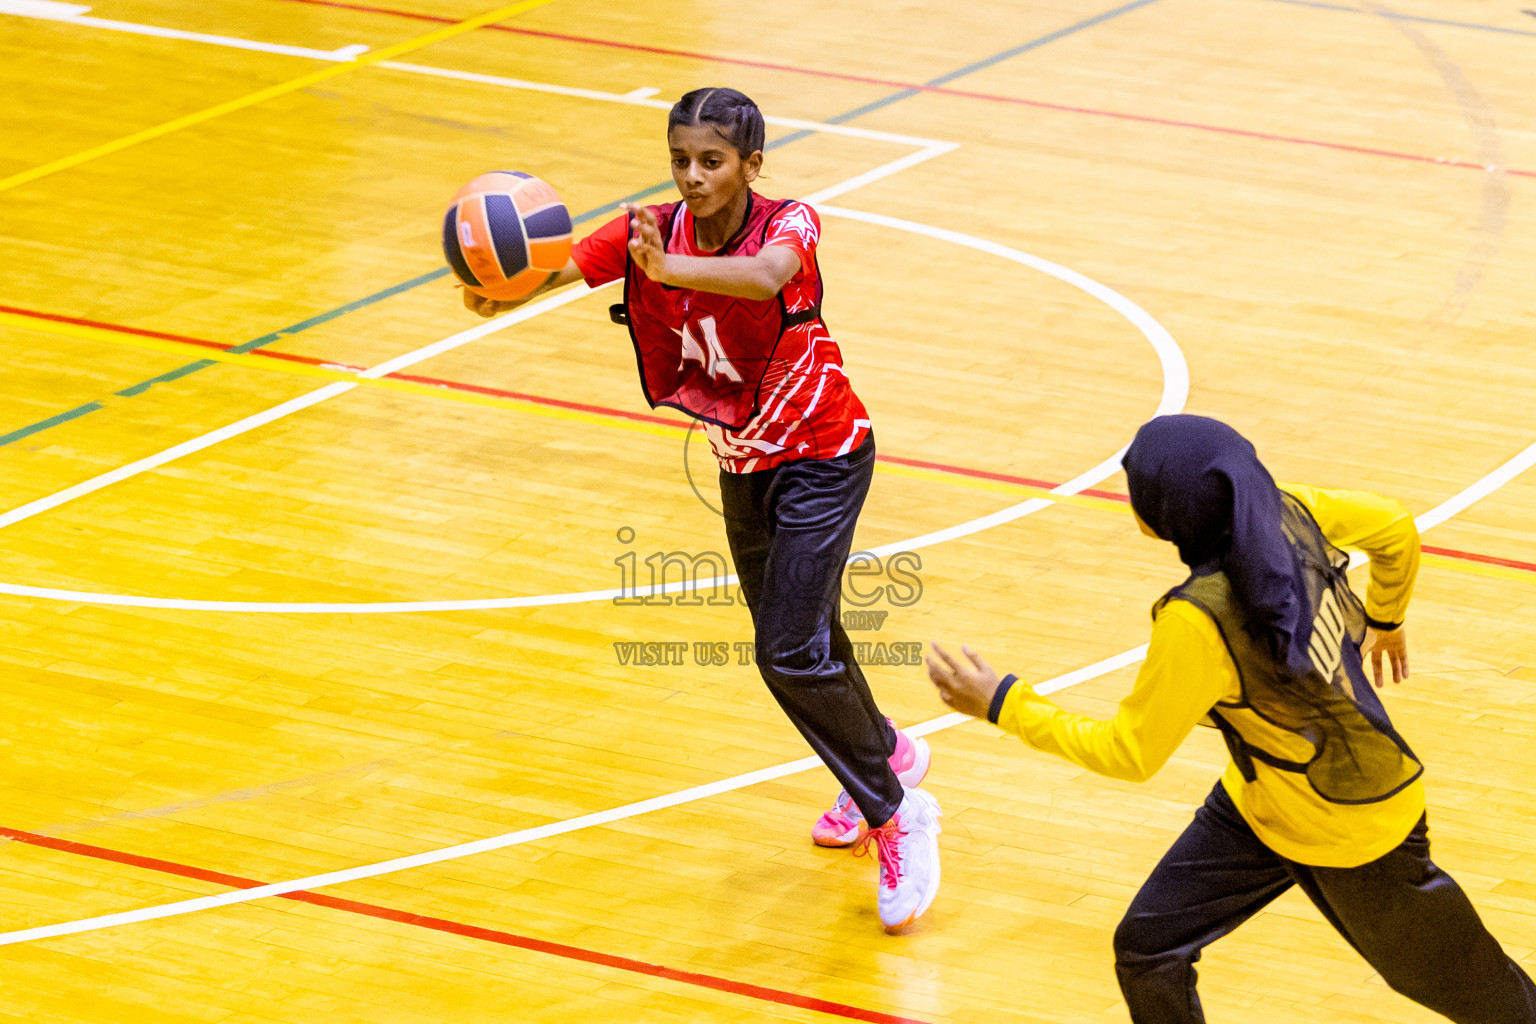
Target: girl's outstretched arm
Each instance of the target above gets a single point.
(569, 274)
(1186, 672)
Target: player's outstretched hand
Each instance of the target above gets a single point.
(487, 307)
(1392, 643)
(646, 247)
(965, 685)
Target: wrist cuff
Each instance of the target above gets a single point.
(1000, 695)
(1385, 627)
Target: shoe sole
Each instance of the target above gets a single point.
(837, 842)
(928, 900)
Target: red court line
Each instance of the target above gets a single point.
(1473, 556)
(936, 89)
(986, 474)
(292, 357)
(438, 924)
(449, 385)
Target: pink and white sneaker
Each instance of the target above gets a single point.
(908, 848)
(844, 824)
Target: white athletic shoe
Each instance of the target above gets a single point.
(908, 847)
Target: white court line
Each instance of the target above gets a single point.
(527, 835)
(287, 408)
(1484, 487)
(930, 148)
(1126, 658)
(1481, 488)
(1175, 369)
(46, 10)
(1175, 391)
(73, 13)
(634, 98)
(344, 53)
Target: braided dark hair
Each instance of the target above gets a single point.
(732, 115)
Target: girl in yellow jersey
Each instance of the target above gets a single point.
(1264, 641)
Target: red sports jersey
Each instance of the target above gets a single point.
(809, 409)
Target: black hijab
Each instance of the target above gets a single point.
(1198, 483)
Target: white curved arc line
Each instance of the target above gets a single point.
(1463, 499)
(527, 835)
(1487, 485)
(1481, 488)
(1175, 369)
(1175, 391)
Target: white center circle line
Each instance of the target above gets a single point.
(1175, 392)
(1445, 510)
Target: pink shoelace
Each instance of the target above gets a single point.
(887, 841)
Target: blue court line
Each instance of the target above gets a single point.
(598, 211)
(1393, 15)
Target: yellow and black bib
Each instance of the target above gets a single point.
(1328, 725)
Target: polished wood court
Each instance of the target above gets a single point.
(1327, 205)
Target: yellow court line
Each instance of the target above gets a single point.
(1498, 572)
(342, 68)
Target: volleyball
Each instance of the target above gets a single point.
(506, 233)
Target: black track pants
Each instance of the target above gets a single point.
(790, 530)
(1407, 917)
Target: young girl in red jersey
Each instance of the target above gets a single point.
(722, 297)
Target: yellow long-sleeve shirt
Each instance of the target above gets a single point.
(1188, 671)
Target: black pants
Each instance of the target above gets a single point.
(1409, 919)
(790, 529)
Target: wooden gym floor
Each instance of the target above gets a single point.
(224, 396)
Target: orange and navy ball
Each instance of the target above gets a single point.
(506, 233)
